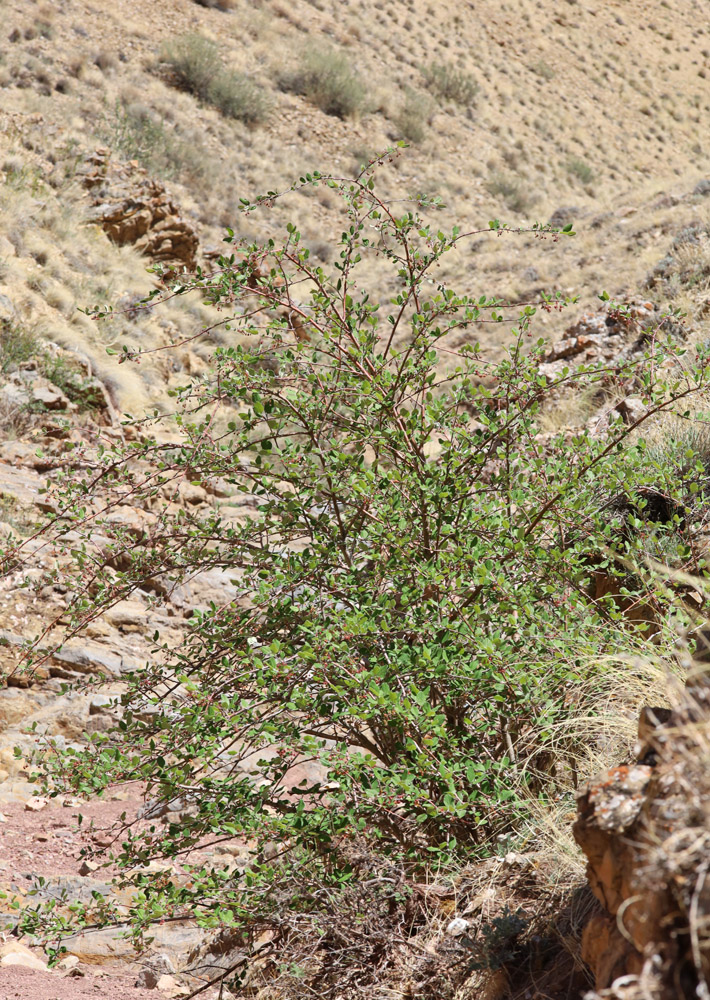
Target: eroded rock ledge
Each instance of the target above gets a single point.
(645, 830)
(136, 209)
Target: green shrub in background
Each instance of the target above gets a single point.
(326, 79)
(195, 62)
(413, 616)
(197, 67)
(238, 97)
(135, 132)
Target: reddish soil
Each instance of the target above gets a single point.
(50, 841)
(17, 983)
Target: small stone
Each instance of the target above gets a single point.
(72, 802)
(147, 979)
(16, 954)
(102, 703)
(35, 803)
(168, 984)
(3, 818)
(88, 867)
(70, 962)
(457, 926)
(515, 860)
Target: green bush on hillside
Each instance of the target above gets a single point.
(197, 67)
(326, 79)
(413, 617)
(512, 190)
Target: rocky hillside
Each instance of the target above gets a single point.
(128, 135)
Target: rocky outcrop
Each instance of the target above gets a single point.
(600, 337)
(136, 209)
(645, 830)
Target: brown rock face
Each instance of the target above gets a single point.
(135, 209)
(645, 830)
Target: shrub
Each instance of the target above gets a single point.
(413, 116)
(414, 616)
(451, 84)
(197, 67)
(581, 170)
(543, 69)
(194, 61)
(512, 190)
(238, 97)
(326, 79)
(17, 345)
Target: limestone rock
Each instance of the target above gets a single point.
(14, 953)
(598, 337)
(36, 803)
(136, 209)
(645, 830)
(45, 393)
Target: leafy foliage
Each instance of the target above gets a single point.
(414, 615)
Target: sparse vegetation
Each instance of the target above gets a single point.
(513, 191)
(238, 97)
(17, 345)
(581, 170)
(543, 70)
(135, 132)
(413, 115)
(326, 79)
(194, 62)
(449, 83)
(197, 67)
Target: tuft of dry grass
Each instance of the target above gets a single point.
(413, 116)
(449, 83)
(197, 67)
(325, 78)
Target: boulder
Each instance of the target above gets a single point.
(135, 209)
(14, 953)
(645, 830)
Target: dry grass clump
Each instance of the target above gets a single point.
(448, 83)
(413, 116)
(512, 190)
(581, 170)
(197, 67)
(326, 79)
